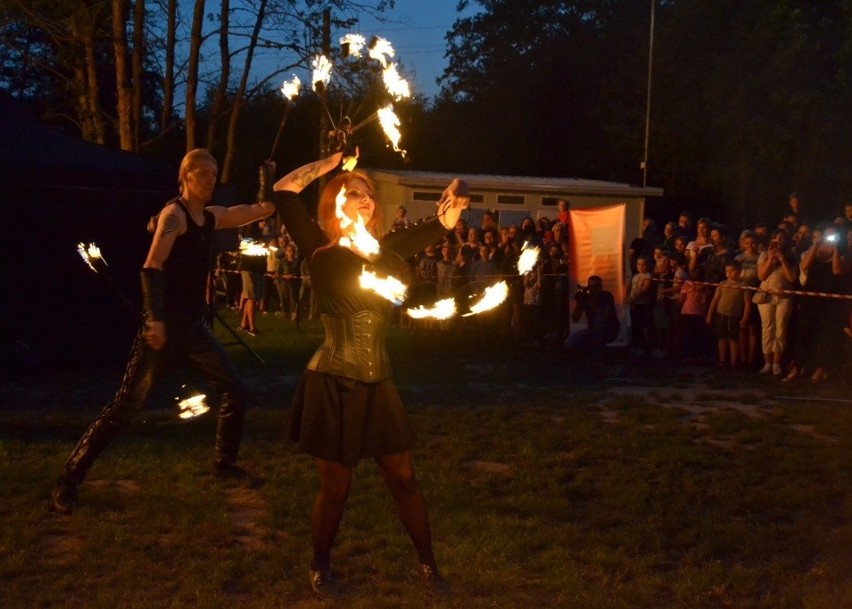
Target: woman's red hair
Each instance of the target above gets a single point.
(327, 207)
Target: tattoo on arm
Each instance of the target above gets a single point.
(306, 176)
(170, 224)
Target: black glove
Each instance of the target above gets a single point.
(264, 181)
(153, 289)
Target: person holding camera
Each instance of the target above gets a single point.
(602, 327)
(822, 268)
(776, 270)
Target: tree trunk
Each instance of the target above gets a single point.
(192, 72)
(222, 90)
(93, 105)
(137, 58)
(169, 69)
(124, 97)
(84, 116)
(238, 97)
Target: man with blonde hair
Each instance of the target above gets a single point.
(174, 331)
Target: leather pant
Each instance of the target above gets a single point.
(196, 349)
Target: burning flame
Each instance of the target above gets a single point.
(92, 252)
(249, 247)
(389, 287)
(340, 201)
(358, 236)
(527, 259)
(390, 123)
(349, 163)
(443, 309)
(394, 83)
(192, 406)
(379, 47)
(355, 43)
(322, 72)
(493, 296)
(290, 88)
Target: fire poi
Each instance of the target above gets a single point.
(357, 236)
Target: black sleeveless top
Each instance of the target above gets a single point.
(187, 268)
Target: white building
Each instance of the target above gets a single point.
(512, 197)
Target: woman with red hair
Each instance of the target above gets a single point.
(346, 406)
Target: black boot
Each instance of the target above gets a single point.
(229, 433)
(64, 495)
(99, 434)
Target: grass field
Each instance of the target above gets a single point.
(655, 486)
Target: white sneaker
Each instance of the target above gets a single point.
(776, 370)
(767, 369)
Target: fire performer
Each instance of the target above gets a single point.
(174, 331)
(346, 405)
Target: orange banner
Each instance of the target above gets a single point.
(597, 248)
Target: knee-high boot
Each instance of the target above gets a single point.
(229, 428)
(139, 377)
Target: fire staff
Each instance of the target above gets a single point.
(346, 406)
(174, 331)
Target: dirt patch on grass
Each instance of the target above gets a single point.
(247, 511)
(491, 467)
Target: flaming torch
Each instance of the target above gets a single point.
(91, 255)
(290, 91)
(389, 287)
(443, 309)
(351, 44)
(492, 297)
(320, 79)
(192, 406)
(379, 48)
(528, 258)
(390, 123)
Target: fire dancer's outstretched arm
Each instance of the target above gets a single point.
(239, 215)
(174, 281)
(298, 179)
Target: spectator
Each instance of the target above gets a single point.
(821, 318)
(747, 260)
(489, 221)
(729, 313)
(640, 298)
(530, 312)
(776, 270)
(693, 311)
(563, 216)
(698, 247)
(794, 209)
(670, 233)
(560, 236)
(663, 276)
(684, 222)
(716, 258)
(602, 327)
(400, 220)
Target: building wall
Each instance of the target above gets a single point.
(420, 203)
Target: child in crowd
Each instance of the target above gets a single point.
(693, 311)
(729, 312)
(662, 276)
(640, 298)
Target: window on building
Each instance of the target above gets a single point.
(511, 199)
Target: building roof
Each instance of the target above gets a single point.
(559, 186)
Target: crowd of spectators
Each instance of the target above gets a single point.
(769, 300)
(695, 293)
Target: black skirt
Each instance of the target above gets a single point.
(343, 420)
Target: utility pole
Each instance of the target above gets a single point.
(326, 50)
(648, 96)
